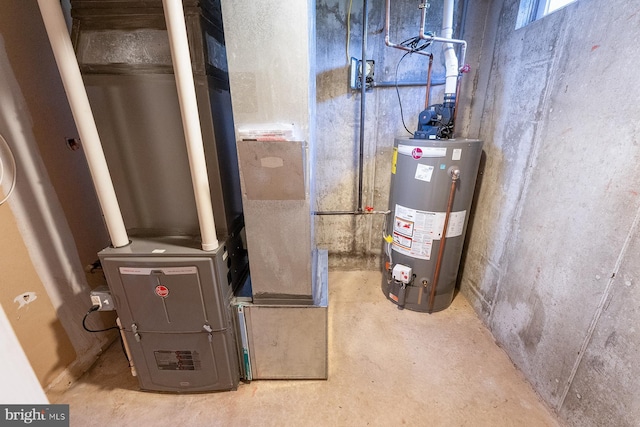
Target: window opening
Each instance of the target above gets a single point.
(531, 10)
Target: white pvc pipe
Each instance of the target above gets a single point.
(175, 18)
(450, 58)
(56, 27)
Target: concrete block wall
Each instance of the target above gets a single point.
(552, 264)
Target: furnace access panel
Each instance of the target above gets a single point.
(174, 308)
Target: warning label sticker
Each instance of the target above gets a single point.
(414, 230)
(455, 227)
(185, 360)
(424, 172)
(403, 226)
(394, 160)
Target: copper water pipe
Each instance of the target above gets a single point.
(426, 99)
(455, 174)
(387, 40)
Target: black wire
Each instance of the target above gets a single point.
(84, 320)
(398, 93)
(124, 350)
(414, 44)
(84, 325)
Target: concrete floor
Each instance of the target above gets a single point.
(387, 367)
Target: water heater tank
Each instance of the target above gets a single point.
(432, 183)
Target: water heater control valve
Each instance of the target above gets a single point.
(402, 273)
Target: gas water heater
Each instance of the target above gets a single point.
(432, 186)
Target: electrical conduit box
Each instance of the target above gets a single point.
(101, 296)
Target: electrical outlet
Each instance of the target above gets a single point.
(101, 296)
(355, 73)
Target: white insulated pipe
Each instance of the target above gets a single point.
(58, 34)
(450, 58)
(175, 18)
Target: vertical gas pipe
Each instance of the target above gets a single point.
(175, 18)
(428, 94)
(363, 95)
(58, 34)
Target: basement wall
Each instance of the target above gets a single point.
(51, 225)
(553, 235)
(552, 261)
(356, 241)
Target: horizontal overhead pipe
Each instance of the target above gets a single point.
(365, 212)
(176, 27)
(387, 40)
(58, 34)
(408, 83)
(447, 28)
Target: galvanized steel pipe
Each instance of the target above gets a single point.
(363, 97)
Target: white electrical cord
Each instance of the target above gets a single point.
(349, 30)
(13, 165)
